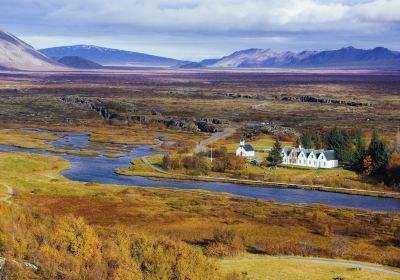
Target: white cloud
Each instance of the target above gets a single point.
(216, 16)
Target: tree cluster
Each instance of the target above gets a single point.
(376, 159)
(222, 161)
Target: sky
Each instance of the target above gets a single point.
(198, 29)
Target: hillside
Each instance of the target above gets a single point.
(15, 54)
(345, 57)
(111, 57)
(79, 62)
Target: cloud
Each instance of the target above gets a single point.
(194, 28)
(219, 16)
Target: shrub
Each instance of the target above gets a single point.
(228, 242)
(216, 250)
(68, 248)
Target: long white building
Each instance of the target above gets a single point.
(309, 157)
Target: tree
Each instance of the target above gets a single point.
(298, 142)
(367, 165)
(360, 152)
(317, 141)
(275, 156)
(341, 143)
(379, 152)
(393, 170)
(166, 162)
(306, 140)
(397, 142)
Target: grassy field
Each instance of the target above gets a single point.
(269, 268)
(193, 216)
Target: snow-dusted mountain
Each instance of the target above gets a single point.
(345, 57)
(15, 54)
(112, 57)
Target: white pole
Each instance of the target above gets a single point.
(211, 154)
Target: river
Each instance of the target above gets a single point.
(100, 169)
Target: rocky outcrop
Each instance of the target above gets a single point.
(28, 265)
(312, 99)
(273, 129)
(108, 111)
(236, 95)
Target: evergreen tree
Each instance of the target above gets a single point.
(360, 152)
(306, 140)
(325, 137)
(341, 143)
(379, 152)
(298, 142)
(397, 142)
(317, 141)
(275, 156)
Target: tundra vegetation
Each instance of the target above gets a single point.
(67, 229)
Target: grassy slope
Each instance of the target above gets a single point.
(266, 267)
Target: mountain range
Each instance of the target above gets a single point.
(265, 58)
(111, 57)
(15, 54)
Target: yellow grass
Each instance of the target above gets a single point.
(26, 139)
(274, 268)
(114, 155)
(187, 215)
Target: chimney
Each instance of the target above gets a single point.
(300, 147)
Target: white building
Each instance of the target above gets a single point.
(245, 150)
(309, 157)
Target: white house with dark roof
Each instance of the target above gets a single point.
(245, 150)
(309, 157)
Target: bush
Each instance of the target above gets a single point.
(68, 248)
(225, 243)
(228, 162)
(216, 250)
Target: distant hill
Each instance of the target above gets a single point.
(15, 54)
(112, 57)
(345, 57)
(79, 62)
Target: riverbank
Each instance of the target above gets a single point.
(154, 171)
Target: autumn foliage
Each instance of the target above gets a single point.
(68, 248)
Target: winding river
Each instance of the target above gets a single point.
(100, 169)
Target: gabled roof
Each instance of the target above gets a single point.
(329, 154)
(248, 148)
